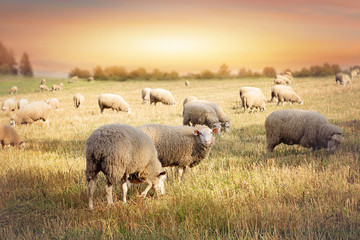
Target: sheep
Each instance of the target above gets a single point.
(276, 89)
(8, 136)
(244, 90)
(78, 100)
(73, 79)
(21, 103)
(279, 81)
(187, 83)
(199, 113)
(354, 73)
(115, 102)
(180, 146)
(306, 128)
(57, 87)
(119, 151)
(30, 113)
(252, 100)
(14, 89)
(53, 103)
(43, 81)
(8, 105)
(285, 77)
(44, 88)
(163, 96)
(342, 78)
(189, 99)
(90, 79)
(145, 95)
(289, 96)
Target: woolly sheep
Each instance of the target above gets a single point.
(189, 99)
(180, 146)
(342, 78)
(78, 100)
(14, 89)
(44, 88)
(119, 151)
(306, 128)
(8, 136)
(199, 113)
(57, 87)
(8, 105)
(43, 81)
(276, 89)
(113, 101)
(145, 95)
(187, 83)
(244, 90)
(286, 78)
(289, 96)
(22, 102)
(252, 100)
(278, 81)
(30, 113)
(53, 103)
(90, 79)
(161, 95)
(73, 79)
(353, 73)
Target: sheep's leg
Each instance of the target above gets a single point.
(181, 171)
(148, 187)
(108, 190)
(291, 103)
(91, 189)
(46, 122)
(125, 189)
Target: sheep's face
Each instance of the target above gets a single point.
(227, 126)
(158, 183)
(206, 135)
(333, 142)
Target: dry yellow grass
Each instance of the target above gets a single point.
(238, 192)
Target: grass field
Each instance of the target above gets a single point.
(238, 192)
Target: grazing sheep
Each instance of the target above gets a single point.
(53, 103)
(44, 88)
(119, 151)
(8, 136)
(276, 89)
(8, 105)
(289, 96)
(287, 78)
(354, 73)
(78, 100)
(244, 90)
(189, 99)
(30, 113)
(180, 146)
(199, 113)
(278, 81)
(306, 128)
(251, 100)
(56, 87)
(161, 95)
(187, 83)
(145, 95)
(43, 81)
(342, 78)
(115, 102)
(90, 79)
(22, 102)
(73, 79)
(14, 89)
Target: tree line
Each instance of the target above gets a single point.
(8, 65)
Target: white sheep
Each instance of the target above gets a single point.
(14, 89)
(189, 99)
(342, 78)
(30, 113)
(53, 103)
(90, 79)
(161, 95)
(289, 96)
(244, 90)
(8, 136)
(187, 83)
(119, 151)
(286, 78)
(57, 87)
(8, 105)
(43, 81)
(78, 100)
(73, 79)
(253, 100)
(113, 101)
(145, 95)
(279, 81)
(180, 146)
(306, 128)
(276, 89)
(199, 113)
(43, 88)
(21, 103)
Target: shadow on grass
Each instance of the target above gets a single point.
(73, 147)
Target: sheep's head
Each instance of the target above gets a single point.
(333, 142)
(158, 183)
(227, 126)
(206, 134)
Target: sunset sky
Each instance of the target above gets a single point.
(181, 35)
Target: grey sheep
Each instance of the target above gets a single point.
(120, 151)
(187, 83)
(342, 78)
(306, 128)
(113, 101)
(78, 100)
(14, 89)
(8, 105)
(199, 113)
(43, 81)
(289, 96)
(43, 88)
(180, 146)
(276, 89)
(145, 95)
(53, 103)
(253, 100)
(8, 136)
(189, 99)
(161, 95)
(30, 113)
(21, 103)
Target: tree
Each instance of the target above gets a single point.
(81, 73)
(25, 67)
(207, 74)
(224, 71)
(99, 73)
(269, 72)
(7, 61)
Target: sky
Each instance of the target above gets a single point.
(181, 35)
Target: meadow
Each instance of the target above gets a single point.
(238, 192)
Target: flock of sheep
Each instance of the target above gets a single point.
(133, 155)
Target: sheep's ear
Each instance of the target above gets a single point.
(215, 130)
(162, 173)
(196, 132)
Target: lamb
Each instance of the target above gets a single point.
(289, 96)
(180, 146)
(78, 100)
(187, 83)
(22, 102)
(119, 151)
(53, 103)
(306, 128)
(8, 105)
(115, 102)
(14, 89)
(189, 99)
(145, 95)
(276, 89)
(163, 96)
(342, 78)
(8, 136)
(44, 88)
(252, 100)
(30, 113)
(199, 113)
(43, 81)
